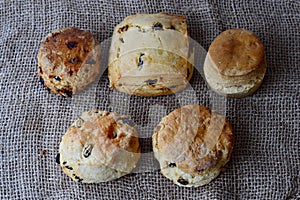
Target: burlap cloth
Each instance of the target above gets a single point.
(265, 161)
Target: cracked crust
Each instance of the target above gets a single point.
(68, 60)
(150, 48)
(99, 146)
(192, 145)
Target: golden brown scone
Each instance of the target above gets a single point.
(192, 145)
(235, 64)
(100, 146)
(149, 55)
(68, 60)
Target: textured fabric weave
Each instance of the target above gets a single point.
(265, 162)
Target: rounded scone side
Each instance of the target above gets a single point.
(100, 146)
(234, 87)
(127, 62)
(192, 144)
(68, 60)
(235, 64)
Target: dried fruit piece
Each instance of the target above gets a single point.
(87, 150)
(182, 181)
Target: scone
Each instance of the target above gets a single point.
(100, 146)
(235, 64)
(192, 145)
(149, 55)
(68, 60)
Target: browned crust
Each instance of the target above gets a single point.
(62, 54)
(194, 138)
(236, 52)
(108, 124)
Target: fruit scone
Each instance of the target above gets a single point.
(149, 55)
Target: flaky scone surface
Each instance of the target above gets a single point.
(192, 144)
(100, 146)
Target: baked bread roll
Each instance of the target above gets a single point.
(149, 55)
(192, 145)
(235, 64)
(100, 146)
(68, 60)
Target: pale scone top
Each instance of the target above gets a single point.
(149, 55)
(154, 21)
(194, 139)
(100, 138)
(236, 52)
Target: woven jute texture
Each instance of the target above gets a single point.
(265, 161)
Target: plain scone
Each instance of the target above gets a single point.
(149, 55)
(68, 60)
(192, 145)
(98, 147)
(235, 64)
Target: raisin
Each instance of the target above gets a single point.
(87, 150)
(114, 134)
(57, 78)
(151, 82)
(200, 169)
(57, 159)
(54, 35)
(140, 61)
(172, 27)
(70, 72)
(40, 70)
(65, 162)
(71, 45)
(73, 60)
(123, 29)
(42, 81)
(68, 93)
(77, 177)
(68, 167)
(172, 165)
(158, 26)
(188, 73)
(182, 181)
(78, 123)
